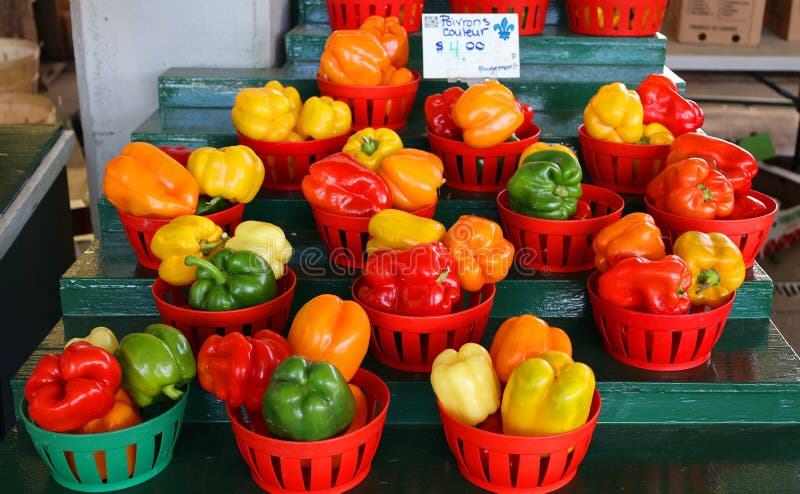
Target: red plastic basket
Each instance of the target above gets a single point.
(748, 234)
(197, 325)
(560, 246)
(461, 162)
(532, 13)
(286, 163)
(330, 466)
(616, 17)
(350, 14)
(346, 237)
(375, 106)
(412, 343)
(140, 231)
(657, 341)
(511, 464)
(624, 168)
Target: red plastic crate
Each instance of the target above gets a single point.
(350, 14)
(616, 17)
(532, 13)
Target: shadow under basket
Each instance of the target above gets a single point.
(659, 342)
(324, 467)
(410, 343)
(154, 440)
(197, 325)
(623, 168)
(479, 170)
(286, 163)
(749, 234)
(375, 106)
(510, 464)
(532, 13)
(140, 231)
(616, 17)
(560, 246)
(350, 14)
(346, 237)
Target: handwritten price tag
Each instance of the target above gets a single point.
(470, 46)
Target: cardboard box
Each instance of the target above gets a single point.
(783, 17)
(719, 22)
(782, 185)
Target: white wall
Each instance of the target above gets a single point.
(122, 46)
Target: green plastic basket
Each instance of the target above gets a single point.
(154, 439)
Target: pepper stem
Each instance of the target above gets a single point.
(443, 276)
(219, 277)
(369, 146)
(707, 278)
(172, 392)
(560, 191)
(707, 195)
(206, 246)
(202, 208)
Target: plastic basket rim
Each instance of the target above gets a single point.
(212, 216)
(505, 209)
(501, 149)
(166, 416)
(620, 3)
(411, 319)
(591, 420)
(414, 82)
(380, 416)
(290, 146)
(652, 148)
(772, 206)
(236, 312)
(592, 281)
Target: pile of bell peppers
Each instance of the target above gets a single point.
(99, 384)
(655, 113)
(703, 270)
(375, 54)
(482, 116)
(528, 375)
(276, 113)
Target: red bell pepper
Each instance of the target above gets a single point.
(340, 184)
(583, 211)
(237, 368)
(736, 163)
(526, 127)
(663, 103)
(178, 153)
(421, 281)
(746, 206)
(691, 188)
(438, 113)
(658, 287)
(66, 391)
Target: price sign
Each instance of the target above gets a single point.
(470, 46)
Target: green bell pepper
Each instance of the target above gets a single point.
(307, 401)
(547, 185)
(231, 280)
(155, 363)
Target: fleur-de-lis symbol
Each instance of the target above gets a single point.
(504, 29)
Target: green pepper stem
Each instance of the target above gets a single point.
(560, 191)
(707, 195)
(707, 278)
(443, 275)
(202, 208)
(172, 392)
(369, 146)
(206, 246)
(216, 273)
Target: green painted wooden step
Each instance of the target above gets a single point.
(726, 458)
(107, 280)
(556, 45)
(752, 376)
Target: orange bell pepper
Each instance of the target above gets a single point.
(482, 254)
(392, 76)
(693, 189)
(124, 414)
(487, 113)
(524, 337)
(541, 146)
(145, 181)
(353, 57)
(392, 35)
(633, 235)
(360, 418)
(413, 176)
(331, 329)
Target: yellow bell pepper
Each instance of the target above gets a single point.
(541, 146)
(266, 240)
(189, 235)
(323, 117)
(466, 384)
(716, 264)
(292, 94)
(370, 146)
(547, 395)
(263, 113)
(100, 336)
(615, 114)
(658, 135)
(234, 173)
(414, 177)
(398, 230)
